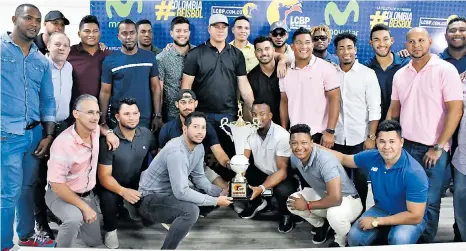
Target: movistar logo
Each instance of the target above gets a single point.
(122, 9)
(341, 18)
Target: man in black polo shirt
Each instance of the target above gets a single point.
(215, 71)
(119, 170)
(263, 77)
(54, 21)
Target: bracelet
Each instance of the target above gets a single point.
(308, 205)
(263, 188)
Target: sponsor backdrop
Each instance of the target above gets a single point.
(355, 16)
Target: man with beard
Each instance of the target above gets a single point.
(27, 125)
(427, 100)
(130, 72)
(263, 78)
(171, 63)
(164, 186)
(279, 34)
(241, 30)
(119, 170)
(54, 21)
(360, 108)
(385, 63)
(145, 35)
(321, 38)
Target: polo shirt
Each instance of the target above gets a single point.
(385, 78)
(306, 91)
(266, 88)
(332, 58)
(249, 55)
(404, 181)
(216, 77)
(39, 41)
(62, 86)
(460, 64)
(73, 162)
(265, 151)
(87, 70)
(126, 160)
(423, 95)
(130, 77)
(360, 103)
(174, 129)
(321, 168)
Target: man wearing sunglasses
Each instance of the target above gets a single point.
(321, 38)
(279, 35)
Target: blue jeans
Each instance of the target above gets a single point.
(19, 169)
(459, 201)
(397, 235)
(436, 177)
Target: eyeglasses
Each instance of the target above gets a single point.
(278, 33)
(91, 113)
(321, 38)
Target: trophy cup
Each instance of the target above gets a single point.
(240, 131)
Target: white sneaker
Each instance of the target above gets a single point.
(133, 212)
(111, 239)
(167, 227)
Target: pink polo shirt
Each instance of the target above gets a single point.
(306, 91)
(423, 95)
(73, 162)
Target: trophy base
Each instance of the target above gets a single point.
(239, 191)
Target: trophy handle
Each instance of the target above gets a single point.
(223, 123)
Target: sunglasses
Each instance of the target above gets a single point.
(278, 33)
(321, 38)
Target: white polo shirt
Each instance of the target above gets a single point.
(276, 143)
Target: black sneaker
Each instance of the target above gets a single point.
(297, 219)
(286, 224)
(334, 245)
(321, 233)
(45, 230)
(253, 209)
(206, 210)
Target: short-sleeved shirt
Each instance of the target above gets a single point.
(332, 58)
(265, 151)
(460, 64)
(73, 162)
(87, 70)
(130, 77)
(289, 53)
(39, 41)
(126, 160)
(174, 129)
(215, 76)
(170, 63)
(266, 88)
(385, 78)
(249, 55)
(322, 168)
(422, 96)
(306, 90)
(404, 181)
(62, 86)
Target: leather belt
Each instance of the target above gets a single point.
(32, 125)
(85, 194)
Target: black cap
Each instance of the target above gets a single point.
(54, 15)
(186, 93)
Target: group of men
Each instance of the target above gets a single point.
(81, 123)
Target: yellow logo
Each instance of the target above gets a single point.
(341, 18)
(279, 10)
(248, 8)
(122, 9)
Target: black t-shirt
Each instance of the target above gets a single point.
(266, 88)
(216, 76)
(40, 44)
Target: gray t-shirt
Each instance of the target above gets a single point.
(322, 168)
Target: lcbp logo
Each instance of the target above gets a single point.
(122, 9)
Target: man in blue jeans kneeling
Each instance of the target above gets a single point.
(400, 187)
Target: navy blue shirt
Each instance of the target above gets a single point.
(404, 181)
(130, 77)
(173, 129)
(386, 79)
(460, 64)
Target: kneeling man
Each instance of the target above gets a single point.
(166, 195)
(333, 200)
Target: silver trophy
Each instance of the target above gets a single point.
(240, 131)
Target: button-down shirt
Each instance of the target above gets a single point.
(332, 58)
(360, 103)
(459, 157)
(385, 78)
(249, 55)
(423, 95)
(26, 87)
(170, 63)
(265, 151)
(73, 162)
(62, 86)
(306, 91)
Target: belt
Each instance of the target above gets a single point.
(32, 125)
(85, 194)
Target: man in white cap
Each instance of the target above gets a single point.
(279, 35)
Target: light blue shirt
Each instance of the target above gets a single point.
(62, 86)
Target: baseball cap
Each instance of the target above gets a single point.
(218, 18)
(186, 93)
(278, 25)
(54, 15)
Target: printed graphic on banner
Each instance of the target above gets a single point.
(170, 9)
(393, 17)
(122, 9)
(341, 18)
(231, 11)
(430, 22)
(299, 21)
(279, 10)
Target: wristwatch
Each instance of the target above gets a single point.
(108, 132)
(157, 115)
(375, 222)
(331, 131)
(371, 137)
(438, 147)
